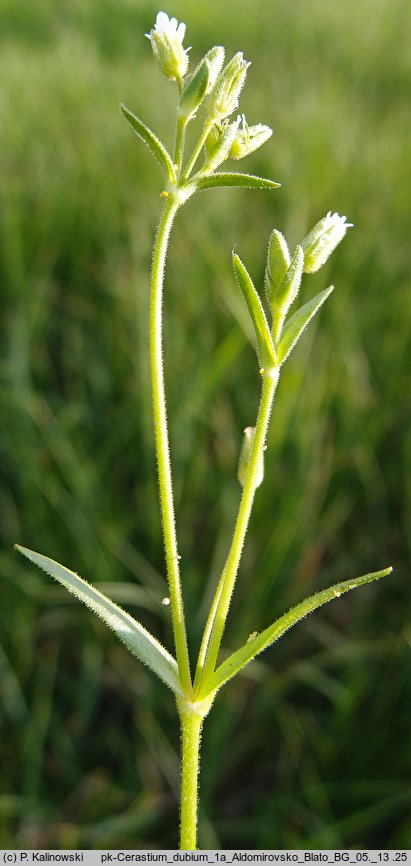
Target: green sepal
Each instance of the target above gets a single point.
(219, 151)
(265, 346)
(140, 642)
(157, 148)
(194, 91)
(239, 659)
(235, 178)
(298, 323)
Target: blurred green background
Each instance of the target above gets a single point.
(313, 747)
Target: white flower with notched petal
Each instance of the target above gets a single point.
(322, 241)
(249, 138)
(167, 43)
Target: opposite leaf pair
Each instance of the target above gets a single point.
(142, 644)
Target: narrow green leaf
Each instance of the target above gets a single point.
(265, 346)
(137, 639)
(233, 178)
(157, 148)
(298, 323)
(260, 642)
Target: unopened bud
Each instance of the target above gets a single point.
(245, 458)
(278, 262)
(322, 241)
(166, 39)
(282, 296)
(212, 139)
(201, 82)
(249, 138)
(218, 148)
(228, 87)
(214, 59)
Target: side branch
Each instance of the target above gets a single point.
(221, 603)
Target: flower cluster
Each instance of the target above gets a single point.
(218, 87)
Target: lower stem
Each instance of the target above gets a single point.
(191, 725)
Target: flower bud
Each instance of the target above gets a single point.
(228, 87)
(201, 82)
(212, 139)
(245, 458)
(278, 262)
(289, 287)
(167, 43)
(218, 148)
(214, 59)
(322, 241)
(249, 138)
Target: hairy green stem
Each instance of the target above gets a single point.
(222, 598)
(278, 322)
(179, 145)
(191, 725)
(197, 150)
(202, 655)
(161, 441)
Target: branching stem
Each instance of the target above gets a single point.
(222, 598)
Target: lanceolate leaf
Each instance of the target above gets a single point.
(246, 653)
(150, 139)
(137, 639)
(265, 346)
(298, 323)
(233, 178)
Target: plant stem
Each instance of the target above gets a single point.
(179, 145)
(161, 441)
(191, 725)
(197, 150)
(205, 640)
(226, 584)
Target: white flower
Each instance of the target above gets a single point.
(167, 43)
(322, 241)
(249, 138)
